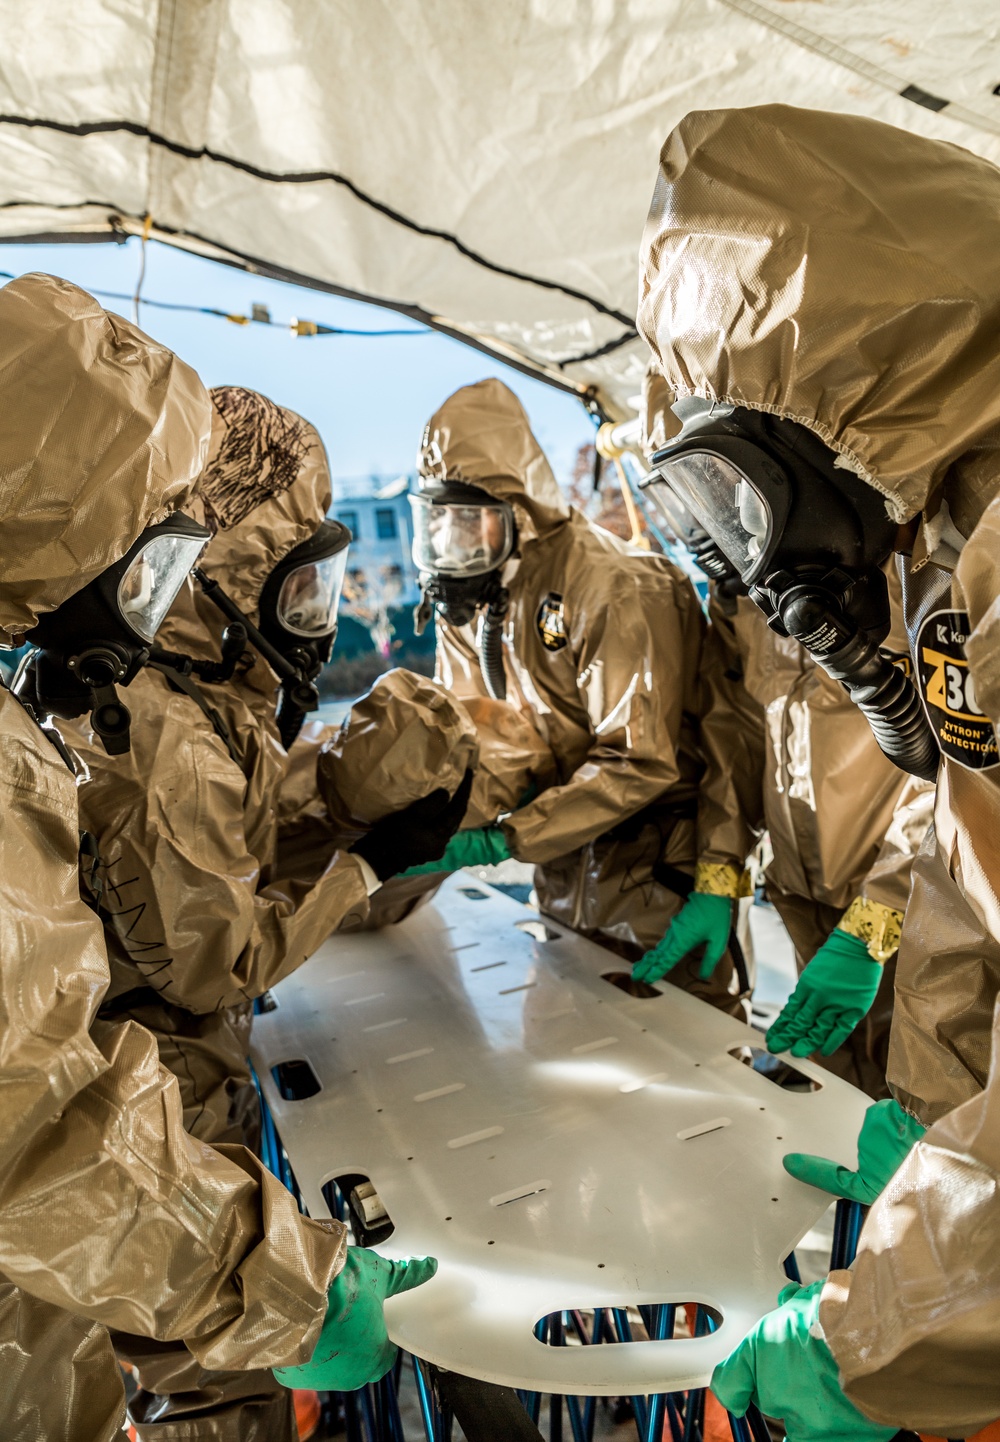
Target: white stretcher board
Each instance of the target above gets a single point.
(462, 1062)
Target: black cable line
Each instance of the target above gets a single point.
(233, 316)
(269, 270)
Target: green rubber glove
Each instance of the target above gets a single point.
(703, 920)
(354, 1347)
(831, 996)
(786, 1368)
(887, 1135)
(481, 846)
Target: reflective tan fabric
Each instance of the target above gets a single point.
(844, 821)
(188, 905)
(809, 264)
(208, 1055)
(885, 343)
(107, 1207)
(264, 490)
(179, 1400)
(916, 1328)
(734, 743)
(977, 589)
(947, 979)
(513, 760)
(61, 1381)
(400, 742)
(102, 432)
(949, 965)
(307, 836)
(617, 703)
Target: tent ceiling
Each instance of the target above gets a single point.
(485, 166)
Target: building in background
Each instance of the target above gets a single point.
(380, 589)
(381, 577)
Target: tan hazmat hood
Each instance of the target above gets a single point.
(264, 490)
(482, 437)
(838, 272)
(102, 432)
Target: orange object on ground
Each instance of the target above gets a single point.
(307, 1412)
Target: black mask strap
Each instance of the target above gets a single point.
(298, 694)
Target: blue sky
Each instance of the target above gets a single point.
(369, 398)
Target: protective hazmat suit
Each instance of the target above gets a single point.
(185, 827)
(836, 291)
(406, 735)
(192, 919)
(108, 1210)
(601, 649)
(787, 750)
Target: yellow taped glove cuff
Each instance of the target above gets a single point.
(878, 926)
(721, 878)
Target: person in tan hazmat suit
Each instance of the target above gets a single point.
(786, 749)
(185, 828)
(804, 278)
(111, 1215)
(598, 645)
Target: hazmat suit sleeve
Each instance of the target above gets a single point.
(914, 1327)
(875, 915)
(631, 655)
(182, 890)
(733, 742)
(107, 1207)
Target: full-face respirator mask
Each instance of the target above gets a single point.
(808, 538)
(102, 636)
(461, 538)
(297, 619)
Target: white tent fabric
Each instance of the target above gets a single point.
(482, 164)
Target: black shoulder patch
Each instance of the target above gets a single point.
(946, 687)
(551, 622)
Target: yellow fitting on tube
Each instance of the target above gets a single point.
(605, 443)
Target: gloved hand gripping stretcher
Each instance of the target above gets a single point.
(555, 1142)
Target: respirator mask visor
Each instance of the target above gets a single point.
(460, 535)
(298, 620)
(735, 498)
(309, 597)
(150, 584)
(101, 636)
(809, 537)
(681, 525)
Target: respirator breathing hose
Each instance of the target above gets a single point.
(491, 648)
(881, 691)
